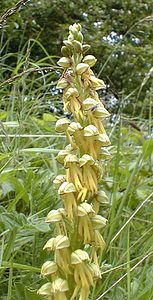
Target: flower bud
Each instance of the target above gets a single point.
(66, 51)
(66, 187)
(86, 159)
(100, 112)
(64, 62)
(90, 60)
(99, 241)
(77, 46)
(103, 138)
(48, 268)
(45, 290)
(71, 27)
(62, 125)
(97, 83)
(71, 92)
(53, 216)
(68, 44)
(101, 197)
(50, 245)
(81, 68)
(84, 209)
(78, 256)
(95, 270)
(59, 180)
(97, 169)
(85, 47)
(73, 30)
(73, 127)
(69, 159)
(59, 242)
(98, 222)
(75, 26)
(71, 37)
(80, 37)
(78, 26)
(91, 130)
(89, 103)
(59, 285)
(61, 155)
(70, 148)
(62, 211)
(62, 84)
(62, 241)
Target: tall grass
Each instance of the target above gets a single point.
(29, 145)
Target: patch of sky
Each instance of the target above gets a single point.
(97, 24)
(54, 91)
(113, 38)
(112, 101)
(85, 15)
(135, 40)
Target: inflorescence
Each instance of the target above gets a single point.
(77, 239)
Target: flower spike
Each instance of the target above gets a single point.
(78, 225)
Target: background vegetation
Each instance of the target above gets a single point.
(121, 37)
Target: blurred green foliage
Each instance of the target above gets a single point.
(121, 37)
(120, 34)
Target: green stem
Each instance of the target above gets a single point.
(128, 265)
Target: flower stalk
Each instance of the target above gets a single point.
(78, 239)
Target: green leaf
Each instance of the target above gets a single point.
(39, 225)
(32, 295)
(147, 294)
(7, 264)
(49, 118)
(23, 293)
(40, 150)
(43, 125)
(7, 187)
(147, 148)
(143, 192)
(19, 287)
(11, 220)
(10, 244)
(3, 115)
